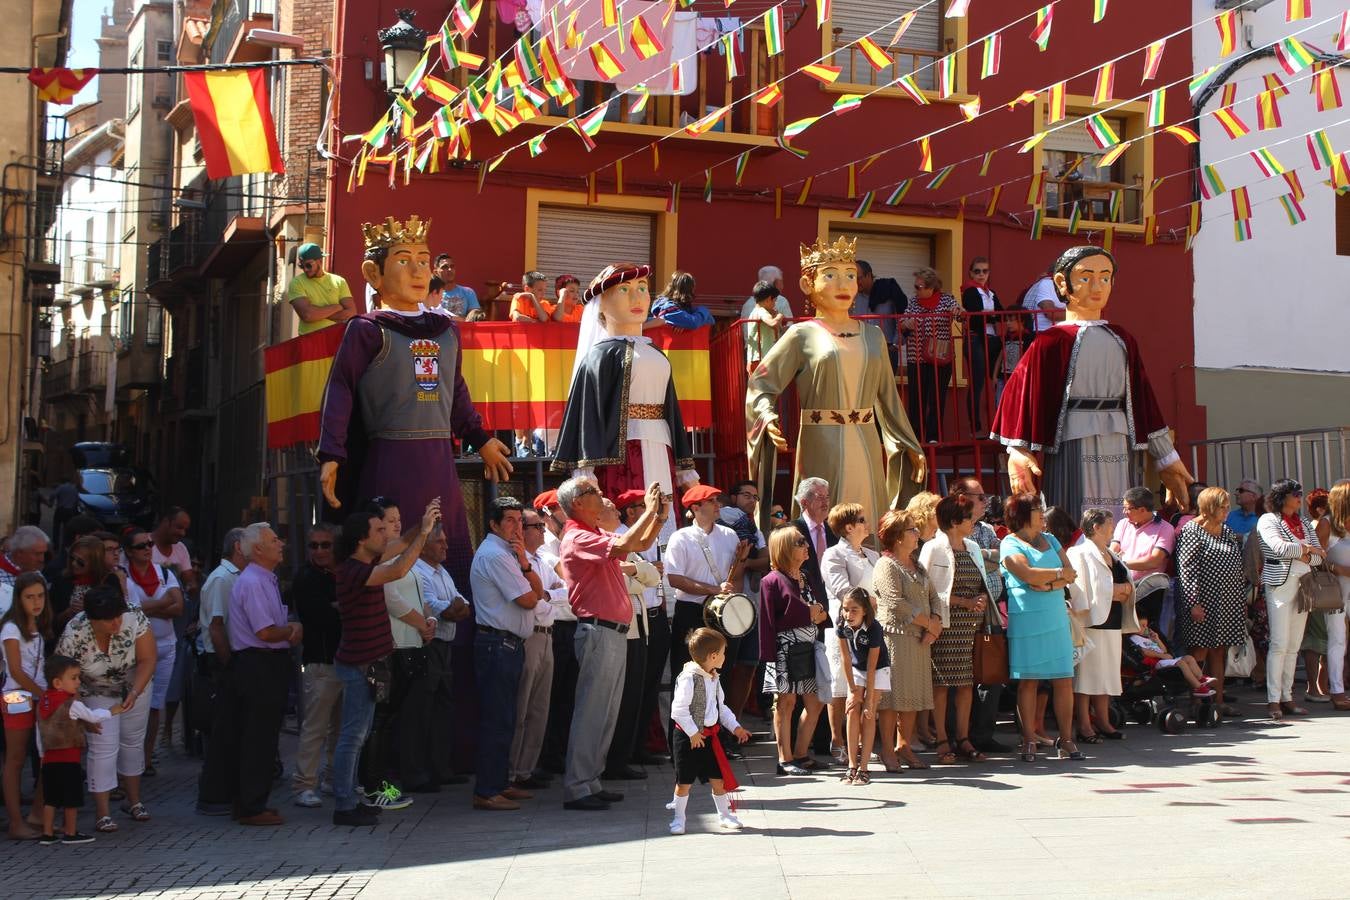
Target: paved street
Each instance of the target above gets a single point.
(1252, 809)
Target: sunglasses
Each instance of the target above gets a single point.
(778, 515)
(979, 271)
(321, 545)
(586, 492)
(799, 542)
(146, 545)
(535, 525)
(78, 562)
(920, 287)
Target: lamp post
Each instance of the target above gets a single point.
(402, 44)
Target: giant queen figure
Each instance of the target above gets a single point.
(1079, 404)
(395, 398)
(854, 432)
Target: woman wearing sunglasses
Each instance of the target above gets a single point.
(155, 590)
(86, 567)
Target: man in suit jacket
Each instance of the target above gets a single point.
(813, 498)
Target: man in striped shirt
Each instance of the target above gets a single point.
(366, 639)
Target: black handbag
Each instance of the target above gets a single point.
(801, 661)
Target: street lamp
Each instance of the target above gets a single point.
(402, 44)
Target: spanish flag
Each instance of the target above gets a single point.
(234, 122)
(518, 375)
(60, 85)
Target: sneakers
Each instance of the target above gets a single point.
(677, 826)
(388, 797)
(357, 817)
(78, 837)
(730, 823)
(48, 840)
(308, 799)
(326, 787)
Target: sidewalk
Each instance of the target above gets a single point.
(1252, 808)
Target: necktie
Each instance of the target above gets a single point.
(820, 539)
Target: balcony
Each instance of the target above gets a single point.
(174, 261)
(185, 383)
(91, 372)
(59, 380)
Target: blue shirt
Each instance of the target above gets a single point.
(496, 582)
(1241, 522)
(673, 314)
(255, 604)
(459, 300)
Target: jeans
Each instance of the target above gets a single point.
(497, 664)
(358, 711)
(603, 655)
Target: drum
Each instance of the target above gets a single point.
(731, 614)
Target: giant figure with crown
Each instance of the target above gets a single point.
(854, 432)
(395, 398)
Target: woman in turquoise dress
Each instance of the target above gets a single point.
(1040, 644)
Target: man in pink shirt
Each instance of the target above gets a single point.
(599, 597)
(1145, 543)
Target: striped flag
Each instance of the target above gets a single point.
(707, 185)
(1295, 185)
(946, 76)
(806, 190)
(822, 13)
(1292, 55)
(1297, 9)
(902, 27)
(536, 144)
(1055, 103)
(1340, 173)
(1153, 59)
(1026, 98)
(1117, 198)
(970, 109)
(1227, 23)
(1036, 190)
(1267, 111)
(984, 163)
(993, 55)
(605, 62)
(795, 151)
(1327, 90)
(1275, 84)
(1045, 20)
(899, 193)
(1075, 214)
(1228, 94)
(877, 58)
(640, 105)
(741, 162)
(1098, 11)
(1115, 153)
(59, 85)
(1242, 230)
(1267, 163)
(1102, 134)
(1037, 223)
(609, 13)
(729, 51)
(1319, 150)
(1343, 34)
(1106, 84)
(1211, 185)
(1228, 120)
(673, 198)
(869, 162)
(958, 9)
(864, 205)
(906, 83)
(1157, 107)
(773, 30)
(795, 128)
(1293, 209)
(643, 40)
(994, 196)
(705, 124)
(1197, 84)
(1150, 230)
(769, 96)
(233, 116)
(465, 17)
(925, 154)
(940, 178)
(1032, 141)
(1183, 133)
(822, 73)
(847, 103)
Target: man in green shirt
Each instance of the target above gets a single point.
(320, 298)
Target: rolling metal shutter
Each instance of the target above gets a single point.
(892, 255)
(583, 241)
(861, 17)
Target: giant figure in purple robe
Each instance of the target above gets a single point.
(395, 398)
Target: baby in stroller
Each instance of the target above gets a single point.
(1147, 654)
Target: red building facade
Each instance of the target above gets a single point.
(535, 213)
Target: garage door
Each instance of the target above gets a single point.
(892, 255)
(583, 241)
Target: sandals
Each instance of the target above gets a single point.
(945, 757)
(1113, 735)
(973, 754)
(847, 777)
(1063, 746)
(105, 825)
(1093, 738)
(911, 759)
(861, 778)
(138, 812)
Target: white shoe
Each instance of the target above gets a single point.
(677, 826)
(308, 799)
(326, 787)
(730, 823)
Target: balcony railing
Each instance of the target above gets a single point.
(60, 378)
(921, 64)
(1316, 457)
(91, 374)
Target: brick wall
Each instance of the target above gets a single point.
(305, 96)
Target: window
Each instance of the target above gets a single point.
(124, 320)
(134, 80)
(891, 255)
(154, 323)
(1071, 161)
(582, 241)
(164, 50)
(923, 42)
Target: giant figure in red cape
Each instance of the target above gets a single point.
(1079, 404)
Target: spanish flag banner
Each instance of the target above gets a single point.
(518, 376)
(60, 85)
(234, 122)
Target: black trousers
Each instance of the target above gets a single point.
(628, 725)
(984, 352)
(381, 745)
(414, 718)
(242, 752)
(440, 683)
(658, 648)
(553, 756)
(927, 397)
(217, 783)
(984, 712)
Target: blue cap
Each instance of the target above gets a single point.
(309, 251)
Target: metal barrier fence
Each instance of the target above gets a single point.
(1316, 457)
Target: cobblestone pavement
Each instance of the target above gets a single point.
(1249, 809)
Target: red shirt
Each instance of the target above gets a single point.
(595, 585)
(51, 701)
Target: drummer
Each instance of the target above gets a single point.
(702, 560)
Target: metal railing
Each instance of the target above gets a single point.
(92, 372)
(918, 63)
(1316, 457)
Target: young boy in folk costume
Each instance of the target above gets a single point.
(622, 424)
(699, 709)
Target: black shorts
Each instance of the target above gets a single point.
(694, 763)
(63, 785)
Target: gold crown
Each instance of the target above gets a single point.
(392, 232)
(823, 254)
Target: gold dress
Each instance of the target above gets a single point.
(853, 431)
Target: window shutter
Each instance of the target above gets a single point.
(892, 255)
(862, 17)
(581, 241)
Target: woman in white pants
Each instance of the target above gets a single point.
(156, 592)
(843, 567)
(1338, 558)
(116, 651)
(1291, 549)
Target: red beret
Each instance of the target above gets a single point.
(629, 498)
(698, 493)
(612, 275)
(546, 500)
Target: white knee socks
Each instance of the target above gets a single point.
(677, 805)
(725, 816)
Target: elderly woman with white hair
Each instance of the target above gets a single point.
(26, 552)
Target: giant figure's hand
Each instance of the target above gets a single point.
(1023, 469)
(776, 435)
(918, 466)
(496, 462)
(328, 481)
(1178, 482)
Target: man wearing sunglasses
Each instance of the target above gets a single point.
(1242, 518)
(319, 298)
(313, 596)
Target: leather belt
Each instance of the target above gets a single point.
(543, 629)
(1092, 403)
(646, 410)
(837, 416)
(620, 627)
(510, 639)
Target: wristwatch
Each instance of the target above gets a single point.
(525, 570)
